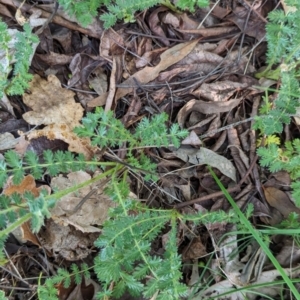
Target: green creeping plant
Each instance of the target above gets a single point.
(120, 9)
(283, 54)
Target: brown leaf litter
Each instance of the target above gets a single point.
(199, 70)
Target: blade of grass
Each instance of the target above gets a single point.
(256, 235)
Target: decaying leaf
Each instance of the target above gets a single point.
(228, 287)
(27, 185)
(55, 106)
(92, 213)
(167, 59)
(194, 250)
(7, 141)
(220, 91)
(205, 108)
(98, 80)
(192, 140)
(66, 242)
(108, 39)
(255, 26)
(281, 201)
(84, 291)
(54, 59)
(64, 132)
(51, 104)
(204, 156)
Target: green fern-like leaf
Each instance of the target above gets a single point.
(76, 273)
(85, 270)
(84, 11)
(190, 4)
(22, 55)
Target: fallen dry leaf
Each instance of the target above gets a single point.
(148, 57)
(27, 185)
(93, 212)
(64, 132)
(22, 146)
(204, 156)
(7, 141)
(219, 91)
(205, 108)
(194, 250)
(155, 24)
(187, 22)
(28, 235)
(167, 59)
(211, 32)
(54, 59)
(281, 201)
(289, 254)
(98, 81)
(192, 140)
(66, 242)
(84, 291)
(50, 103)
(64, 36)
(108, 39)
(255, 25)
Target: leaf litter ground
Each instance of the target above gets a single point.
(199, 69)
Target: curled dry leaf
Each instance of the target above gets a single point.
(219, 91)
(211, 32)
(148, 57)
(64, 132)
(281, 201)
(198, 120)
(186, 22)
(64, 36)
(282, 177)
(205, 108)
(87, 290)
(155, 25)
(22, 145)
(108, 39)
(167, 59)
(5, 101)
(171, 19)
(289, 254)
(53, 58)
(201, 59)
(202, 54)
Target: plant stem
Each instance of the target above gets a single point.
(15, 225)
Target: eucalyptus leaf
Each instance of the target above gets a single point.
(205, 156)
